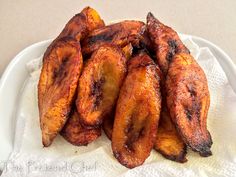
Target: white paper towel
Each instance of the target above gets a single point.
(29, 158)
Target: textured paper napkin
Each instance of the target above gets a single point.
(29, 158)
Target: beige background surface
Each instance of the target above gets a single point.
(24, 22)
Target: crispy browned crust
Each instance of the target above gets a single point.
(137, 113)
(119, 34)
(165, 40)
(99, 85)
(168, 141)
(76, 134)
(57, 86)
(188, 100)
(188, 97)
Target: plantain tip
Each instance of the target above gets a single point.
(152, 19)
(150, 15)
(46, 140)
(205, 153)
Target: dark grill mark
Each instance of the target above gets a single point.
(105, 36)
(96, 91)
(173, 49)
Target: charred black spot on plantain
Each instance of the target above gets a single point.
(204, 148)
(188, 113)
(195, 107)
(132, 134)
(133, 137)
(103, 37)
(193, 110)
(173, 49)
(191, 90)
(60, 72)
(96, 91)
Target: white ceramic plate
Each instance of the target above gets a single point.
(13, 79)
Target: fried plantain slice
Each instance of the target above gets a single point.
(188, 100)
(168, 141)
(166, 42)
(137, 112)
(108, 122)
(99, 85)
(119, 34)
(57, 85)
(76, 134)
(188, 96)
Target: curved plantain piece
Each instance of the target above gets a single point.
(137, 112)
(166, 42)
(108, 122)
(99, 85)
(119, 34)
(57, 86)
(62, 63)
(76, 134)
(188, 97)
(168, 141)
(188, 100)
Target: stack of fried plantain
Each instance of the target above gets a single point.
(137, 81)
(62, 66)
